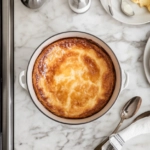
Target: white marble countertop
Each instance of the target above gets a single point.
(33, 130)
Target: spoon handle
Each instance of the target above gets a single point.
(118, 126)
(99, 147)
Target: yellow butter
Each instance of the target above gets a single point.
(143, 3)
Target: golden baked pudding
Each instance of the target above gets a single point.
(73, 78)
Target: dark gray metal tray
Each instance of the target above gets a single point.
(7, 74)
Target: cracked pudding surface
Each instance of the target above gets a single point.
(73, 78)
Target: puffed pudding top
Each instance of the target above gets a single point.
(73, 78)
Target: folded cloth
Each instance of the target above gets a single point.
(117, 141)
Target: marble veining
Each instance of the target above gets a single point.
(33, 130)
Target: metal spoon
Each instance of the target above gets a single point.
(126, 8)
(33, 4)
(129, 109)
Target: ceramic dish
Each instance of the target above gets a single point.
(142, 15)
(146, 60)
(29, 86)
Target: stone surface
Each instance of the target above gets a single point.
(33, 130)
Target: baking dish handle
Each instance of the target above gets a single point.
(21, 75)
(125, 79)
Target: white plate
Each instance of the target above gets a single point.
(146, 60)
(142, 15)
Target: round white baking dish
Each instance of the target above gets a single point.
(29, 86)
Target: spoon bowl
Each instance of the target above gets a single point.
(131, 107)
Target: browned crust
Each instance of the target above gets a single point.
(82, 96)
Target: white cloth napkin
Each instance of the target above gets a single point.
(141, 126)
